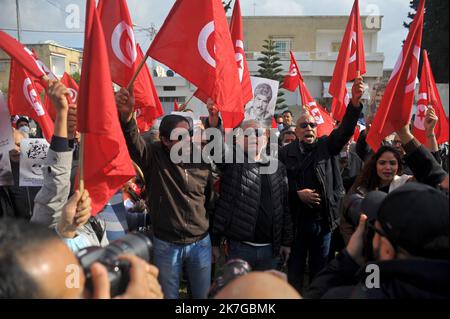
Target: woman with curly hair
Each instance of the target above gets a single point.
(383, 171)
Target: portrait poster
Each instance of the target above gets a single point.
(262, 106)
(33, 152)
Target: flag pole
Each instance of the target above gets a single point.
(81, 165)
(136, 73)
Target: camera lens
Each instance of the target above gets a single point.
(135, 244)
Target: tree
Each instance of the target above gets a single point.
(269, 68)
(435, 35)
(76, 76)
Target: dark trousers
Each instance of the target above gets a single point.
(259, 258)
(313, 242)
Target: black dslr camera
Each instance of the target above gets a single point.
(137, 244)
(232, 269)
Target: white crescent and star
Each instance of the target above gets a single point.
(31, 96)
(129, 57)
(202, 43)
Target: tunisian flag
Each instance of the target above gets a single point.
(71, 86)
(350, 60)
(23, 99)
(395, 107)
(22, 55)
(107, 164)
(237, 36)
(120, 40)
(429, 95)
(199, 48)
(294, 79)
(148, 105)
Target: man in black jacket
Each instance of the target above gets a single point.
(410, 245)
(316, 187)
(252, 212)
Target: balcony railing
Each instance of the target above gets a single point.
(317, 56)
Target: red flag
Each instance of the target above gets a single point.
(350, 60)
(200, 49)
(395, 108)
(22, 55)
(429, 95)
(358, 129)
(325, 123)
(237, 36)
(292, 79)
(23, 99)
(176, 107)
(72, 86)
(120, 40)
(148, 105)
(107, 164)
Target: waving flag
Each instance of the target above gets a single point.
(429, 96)
(199, 48)
(396, 106)
(120, 40)
(24, 99)
(350, 60)
(21, 55)
(107, 164)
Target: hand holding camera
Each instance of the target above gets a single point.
(143, 282)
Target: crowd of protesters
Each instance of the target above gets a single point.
(310, 227)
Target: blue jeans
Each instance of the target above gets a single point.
(312, 241)
(259, 258)
(170, 258)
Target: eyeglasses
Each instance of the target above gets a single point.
(306, 124)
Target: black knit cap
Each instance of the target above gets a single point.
(170, 122)
(415, 217)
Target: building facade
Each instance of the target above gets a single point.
(58, 58)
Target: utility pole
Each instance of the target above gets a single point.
(254, 8)
(18, 20)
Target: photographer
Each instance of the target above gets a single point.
(410, 245)
(35, 263)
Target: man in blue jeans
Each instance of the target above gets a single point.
(316, 187)
(180, 197)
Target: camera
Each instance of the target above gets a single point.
(357, 205)
(138, 244)
(233, 269)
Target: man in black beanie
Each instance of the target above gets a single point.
(410, 248)
(180, 198)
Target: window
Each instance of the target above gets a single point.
(179, 99)
(58, 65)
(169, 88)
(335, 46)
(283, 46)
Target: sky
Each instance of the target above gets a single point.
(50, 15)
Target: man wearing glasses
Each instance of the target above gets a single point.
(316, 187)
